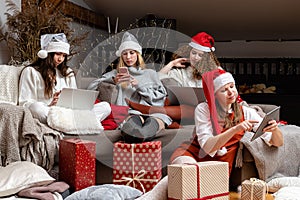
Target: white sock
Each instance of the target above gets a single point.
(102, 110)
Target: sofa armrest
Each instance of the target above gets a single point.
(267, 108)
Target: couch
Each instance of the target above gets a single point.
(170, 138)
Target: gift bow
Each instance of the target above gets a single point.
(253, 182)
(138, 177)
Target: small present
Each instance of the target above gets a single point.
(202, 180)
(254, 189)
(137, 165)
(77, 164)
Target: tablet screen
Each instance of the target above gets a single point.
(269, 116)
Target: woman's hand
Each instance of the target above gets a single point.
(277, 138)
(55, 98)
(246, 125)
(272, 126)
(179, 62)
(133, 81)
(122, 77)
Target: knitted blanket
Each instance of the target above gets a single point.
(24, 138)
(275, 162)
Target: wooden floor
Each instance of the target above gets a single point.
(237, 196)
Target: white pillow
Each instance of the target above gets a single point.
(287, 193)
(21, 175)
(73, 121)
(275, 184)
(9, 87)
(105, 192)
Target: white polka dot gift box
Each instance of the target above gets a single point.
(202, 181)
(137, 165)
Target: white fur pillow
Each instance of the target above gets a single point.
(287, 193)
(275, 184)
(73, 121)
(21, 175)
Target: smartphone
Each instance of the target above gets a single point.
(123, 70)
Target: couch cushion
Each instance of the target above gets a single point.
(9, 77)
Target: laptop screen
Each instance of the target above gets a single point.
(77, 98)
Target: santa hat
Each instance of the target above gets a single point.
(212, 81)
(203, 42)
(129, 42)
(53, 43)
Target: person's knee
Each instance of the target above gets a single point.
(102, 110)
(39, 111)
(184, 159)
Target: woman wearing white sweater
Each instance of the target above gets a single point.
(42, 81)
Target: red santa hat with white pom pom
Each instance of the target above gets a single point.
(53, 43)
(203, 42)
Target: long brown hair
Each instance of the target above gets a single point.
(237, 117)
(208, 62)
(47, 70)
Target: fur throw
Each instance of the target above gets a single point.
(73, 121)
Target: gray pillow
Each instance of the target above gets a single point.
(106, 192)
(107, 92)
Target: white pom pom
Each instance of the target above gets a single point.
(42, 54)
(213, 49)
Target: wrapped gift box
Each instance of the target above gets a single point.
(202, 180)
(137, 165)
(77, 164)
(253, 189)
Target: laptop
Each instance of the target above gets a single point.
(185, 95)
(78, 99)
(269, 116)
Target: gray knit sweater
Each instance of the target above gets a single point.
(149, 91)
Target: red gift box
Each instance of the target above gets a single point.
(77, 164)
(137, 165)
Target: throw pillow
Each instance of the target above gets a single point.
(107, 92)
(117, 116)
(275, 184)
(73, 121)
(287, 193)
(21, 175)
(106, 192)
(9, 87)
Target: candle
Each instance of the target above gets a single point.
(108, 24)
(117, 22)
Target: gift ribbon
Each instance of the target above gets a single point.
(138, 177)
(198, 187)
(253, 182)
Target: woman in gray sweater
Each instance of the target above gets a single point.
(136, 83)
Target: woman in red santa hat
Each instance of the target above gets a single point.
(190, 62)
(185, 69)
(220, 124)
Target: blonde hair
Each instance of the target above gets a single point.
(140, 62)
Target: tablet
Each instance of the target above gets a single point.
(269, 116)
